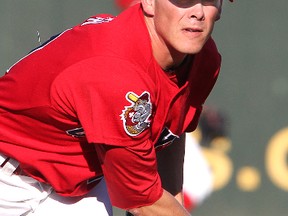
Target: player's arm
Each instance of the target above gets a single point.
(170, 167)
(167, 205)
(133, 181)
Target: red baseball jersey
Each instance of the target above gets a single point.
(93, 101)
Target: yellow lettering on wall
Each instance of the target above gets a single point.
(221, 165)
(276, 159)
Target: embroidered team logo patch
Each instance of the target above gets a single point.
(136, 117)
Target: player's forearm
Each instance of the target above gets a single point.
(167, 205)
(180, 198)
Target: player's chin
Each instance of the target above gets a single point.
(195, 46)
(192, 49)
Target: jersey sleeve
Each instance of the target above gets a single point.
(131, 175)
(113, 102)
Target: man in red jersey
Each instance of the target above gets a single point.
(99, 100)
(183, 168)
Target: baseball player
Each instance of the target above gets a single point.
(88, 110)
(191, 182)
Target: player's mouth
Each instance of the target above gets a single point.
(192, 33)
(193, 30)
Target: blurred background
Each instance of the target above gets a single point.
(251, 167)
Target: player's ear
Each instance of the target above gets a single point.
(148, 7)
(219, 9)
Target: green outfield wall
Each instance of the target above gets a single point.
(251, 175)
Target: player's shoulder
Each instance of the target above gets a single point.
(104, 72)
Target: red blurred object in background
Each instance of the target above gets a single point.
(123, 4)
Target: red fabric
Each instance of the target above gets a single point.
(123, 4)
(189, 204)
(136, 168)
(80, 80)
